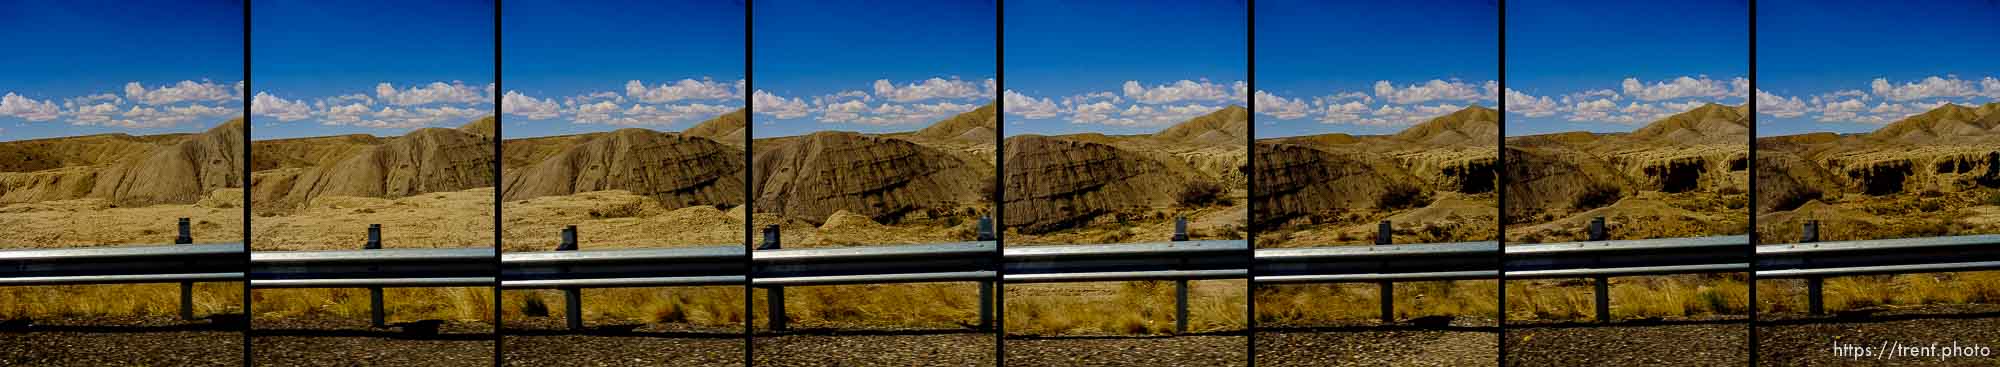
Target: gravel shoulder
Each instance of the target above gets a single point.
(1801, 340)
(1184, 350)
(546, 342)
(321, 341)
(122, 341)
(1379, 346)
(1702, 342)
(874, 348)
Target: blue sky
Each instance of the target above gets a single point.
(1122, 67)
(1614, 66)
(1366, 67)
(70, 67)
(1853, 66)
(868, 66)
(573, 67)
(369, 67)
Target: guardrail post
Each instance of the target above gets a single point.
(986, 287)
(1383, 237)
(774, 296)
(985, 228)
(572, 297)
(186, 236)
(376, 315)
(1180, 285)
(1815, 299)
(1180, 229)
(1603, 283)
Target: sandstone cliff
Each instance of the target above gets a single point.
(676, 169)
(810, 177)
(1055, 183)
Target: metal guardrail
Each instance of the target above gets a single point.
(1814, 261)
(571, 270)
(774, 268)
(373, 268)
(1180, 260)
(1383, 264)
(1600, 260)
(184, 262)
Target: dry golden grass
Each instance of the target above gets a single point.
(1677, 296)
(456, 219)
(401, 304)
(1123, 308)
(433, 220)
(1318, 304)
(117, 300)
(94, 222)
(1856, 292)
(892, 306)
(718, 307)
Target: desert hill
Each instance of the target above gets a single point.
(810, 177)
(937, 170)
(421, 161)
(1944, 122)
(974, 127)
(1703, 150)
(1948, 149)
(1330, 173)
(678, 170)
(1476, 125)
(1228, 126)
(1059, 182)
(126, 170)
(726, 129)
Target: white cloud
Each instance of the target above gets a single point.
(668, 114)
(284, 110)
(1030, 107)
(1184, 90)
(1349, 112)
(1780, 106)
(435, 92)
(1684, 87)
(1530, 106)
(27, 108)
(683, 89)
(1281, 107)
(515, 103)
(777, 106)
(1930, 87)
(933, 88)
(185, 91)
(1434, 90)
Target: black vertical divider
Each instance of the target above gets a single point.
(1500, 189)
(499, 128)
(1250, 164)
(247, 90)
(749, 208)
(999, 198)
(1750, 252)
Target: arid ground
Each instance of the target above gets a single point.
(121, 190)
